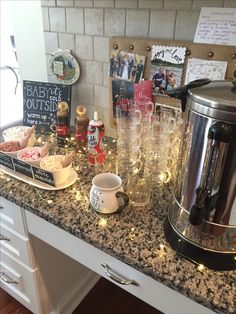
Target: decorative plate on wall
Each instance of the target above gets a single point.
(64, 67)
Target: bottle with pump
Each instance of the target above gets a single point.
(81, 126)
(95, 135)
(62, 123)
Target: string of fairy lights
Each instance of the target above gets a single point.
(79, 194)
(161, 251)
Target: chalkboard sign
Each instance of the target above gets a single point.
(23, 168)
(40, 104)
(6, 161)
(26, 169)
(43, 176)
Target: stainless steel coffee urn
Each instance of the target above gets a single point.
(202, 221)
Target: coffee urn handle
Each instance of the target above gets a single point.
(197, 211)
(182, 92)
(220, 134)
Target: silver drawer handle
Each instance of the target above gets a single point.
(7, 279)
(114, 276)
(4, 238)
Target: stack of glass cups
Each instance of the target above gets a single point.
(145, 106)
(129, 131)
(133, 132)
(164, 144)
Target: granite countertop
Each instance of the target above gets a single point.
(135, 236)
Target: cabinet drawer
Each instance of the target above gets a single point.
(23, 287)
(16, 245)
(12, 216)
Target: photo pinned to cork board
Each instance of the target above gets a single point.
(126, 70)
(167, 65)
(122, 94)
(126, 65)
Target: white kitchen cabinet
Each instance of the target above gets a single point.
(12, 216)
(144, 287)
(17, 264)
(16, 245)
(42, 278)
(19, 281)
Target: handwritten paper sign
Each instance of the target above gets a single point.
(173, 55)
(40, 103)
(199, 69)
(216, 26)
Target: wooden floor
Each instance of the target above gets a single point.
(104, 298)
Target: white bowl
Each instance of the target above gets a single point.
(10, 153)
(17, 133)
(31, 161)
(52, 163)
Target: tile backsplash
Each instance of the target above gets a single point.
(84, 27)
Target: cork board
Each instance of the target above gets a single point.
(193, 50)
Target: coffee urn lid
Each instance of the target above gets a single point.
(216, 100)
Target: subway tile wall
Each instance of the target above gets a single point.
(84, 27)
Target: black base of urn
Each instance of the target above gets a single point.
(210, 259)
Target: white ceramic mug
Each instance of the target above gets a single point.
(107, 194)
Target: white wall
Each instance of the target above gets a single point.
(23, 19)
(29, 38)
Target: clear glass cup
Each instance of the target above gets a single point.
(144, 104)
(162, 153)
(139, 186)
(129, 142)
(124, 168)
(127, 116)
(130, 156)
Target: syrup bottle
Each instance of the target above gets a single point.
(95, 135)
(62, 123)
(81, 126)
